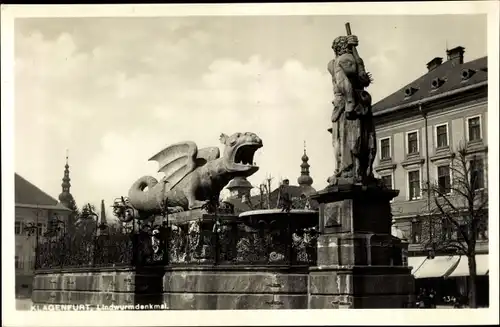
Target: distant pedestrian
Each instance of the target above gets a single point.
(432, 298)
(421, 298)
(285, 197)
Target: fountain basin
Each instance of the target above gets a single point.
(295, 219)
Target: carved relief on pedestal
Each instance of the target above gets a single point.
(226, 243)
(332, 214)
(304, 245)
(177, 245)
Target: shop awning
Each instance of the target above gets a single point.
(439, 266)
(462, 269)
(415, 263)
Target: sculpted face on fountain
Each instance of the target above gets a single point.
(239, 152)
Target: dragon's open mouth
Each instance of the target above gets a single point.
(244, 154)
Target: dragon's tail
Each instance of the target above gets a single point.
(145, 200)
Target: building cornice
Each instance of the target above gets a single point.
(431, 99)
(443, 155)
(385, 165)
(458, 108)
(39, 206)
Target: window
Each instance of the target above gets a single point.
(474, 128)
(18, 262)
(446, 230)
(385, 149)
(416, 230)
(477, 174)
(442, 136)
(444, 179)
(412, 142)
(462, 231)
(482, 230)
(414, 184)
(387, 180)
(18, 228)
(40, 229)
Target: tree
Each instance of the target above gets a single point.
(265, 193)
(74, 212)
(458, 217)
(86, 224)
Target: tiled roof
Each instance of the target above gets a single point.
(27, 193)
(449, 72)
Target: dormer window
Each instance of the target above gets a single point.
(409, 91)
(436, 83)
(434, 63)
(467, 73)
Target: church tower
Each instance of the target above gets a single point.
(66, 198)
(305, 181)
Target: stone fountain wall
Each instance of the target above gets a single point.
(176, 288)
(221, 262)
(264, 261)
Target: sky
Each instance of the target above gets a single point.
(115, 91)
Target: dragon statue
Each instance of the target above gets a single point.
(193, 178)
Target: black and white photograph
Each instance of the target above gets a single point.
(267, 159)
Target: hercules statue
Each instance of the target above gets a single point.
(353, 131)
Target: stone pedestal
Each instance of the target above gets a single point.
(359, 262)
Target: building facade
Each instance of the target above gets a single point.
(34, 210)
(38, 216)
(419, 130)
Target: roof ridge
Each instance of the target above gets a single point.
(445, 64)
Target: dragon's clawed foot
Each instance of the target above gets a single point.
(197, 204)
(175, 209)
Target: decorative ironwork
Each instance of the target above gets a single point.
(205, 241)
(304, 246)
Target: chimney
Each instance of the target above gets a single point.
(434, 63)
(456, 55)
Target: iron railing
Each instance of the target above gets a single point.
(208, 242)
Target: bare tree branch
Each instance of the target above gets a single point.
(459, 205)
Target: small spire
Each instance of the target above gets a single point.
(103, 213)
(304, 178)
(102, 224)
(65, 197)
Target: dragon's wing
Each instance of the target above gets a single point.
(207, 154)
(176, 161)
